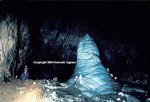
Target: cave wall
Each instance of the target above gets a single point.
(8, 36)
(55, 41)
(14, 43)
(59, 41)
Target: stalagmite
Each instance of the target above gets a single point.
(93, 78)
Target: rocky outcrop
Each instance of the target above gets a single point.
(13, 45)
(8, 36)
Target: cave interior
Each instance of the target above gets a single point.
(119, 30)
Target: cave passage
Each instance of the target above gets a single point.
(62, 72)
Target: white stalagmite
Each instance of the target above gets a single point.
(94, 77)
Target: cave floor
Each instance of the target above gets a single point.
(53, 91)
(21, 91)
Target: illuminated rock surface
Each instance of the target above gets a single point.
(8, 35)
(90, 76)
(14, 45)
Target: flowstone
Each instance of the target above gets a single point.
(90, 76)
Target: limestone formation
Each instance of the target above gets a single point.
(90, 76)
(14, 44)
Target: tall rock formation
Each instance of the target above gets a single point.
(90, 76)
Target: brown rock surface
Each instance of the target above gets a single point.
(21, 91)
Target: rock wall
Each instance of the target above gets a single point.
(59, 41)
(8, 36)
(13, 45)
(25, 49)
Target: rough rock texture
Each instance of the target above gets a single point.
(62, 42)
(125, 57)
(90, 76)
(8, 36)
(24, 44)
(21, 91)
(14, 45)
